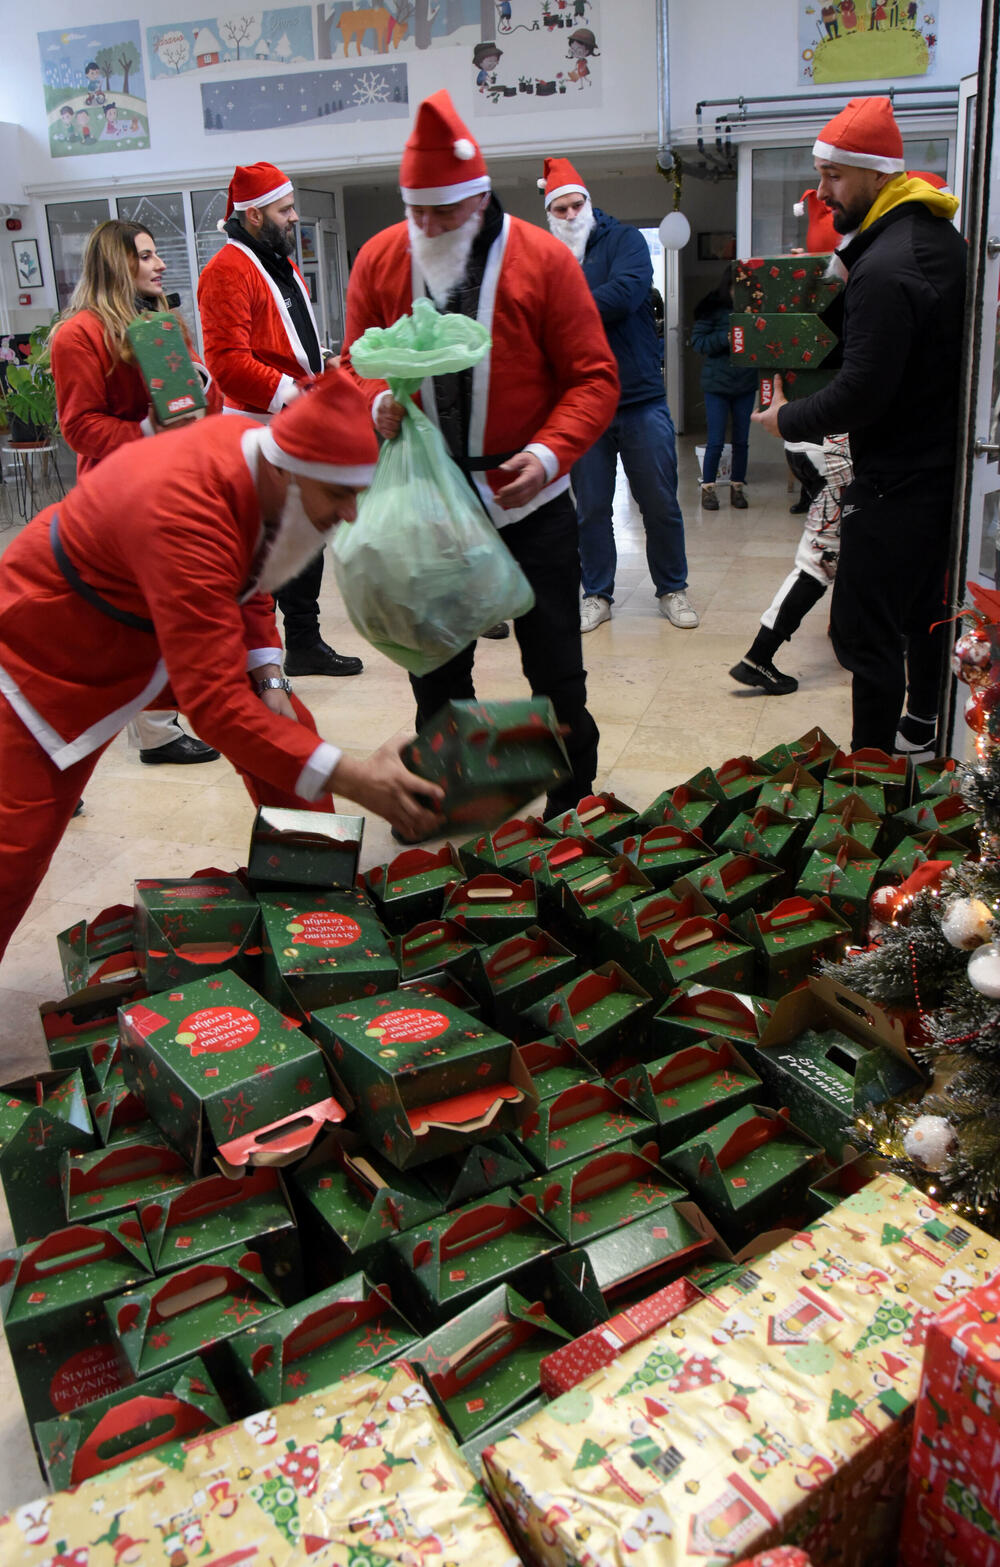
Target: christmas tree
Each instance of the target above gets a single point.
(935, 959)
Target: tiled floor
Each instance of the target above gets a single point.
(662, 698)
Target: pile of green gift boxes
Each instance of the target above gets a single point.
(462, 1108)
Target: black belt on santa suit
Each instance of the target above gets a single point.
(76, 582)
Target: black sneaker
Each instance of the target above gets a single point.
(769, 679)
(179, 753)
(916, 734)
(498, 632)
(801, 506)
(319, 659)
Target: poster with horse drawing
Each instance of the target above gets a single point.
(347, 29)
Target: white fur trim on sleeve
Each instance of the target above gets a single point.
(147, 426)
(286, 391)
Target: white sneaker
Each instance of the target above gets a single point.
(678, 609)
(592, 612)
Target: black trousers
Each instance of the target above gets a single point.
(545, 546)
(890, 588)
(298, 601)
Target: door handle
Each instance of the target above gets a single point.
(989, 449)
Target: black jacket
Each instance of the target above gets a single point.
(897, 392)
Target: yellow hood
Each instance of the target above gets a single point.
(904, 187)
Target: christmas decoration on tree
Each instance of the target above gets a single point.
(935, 961)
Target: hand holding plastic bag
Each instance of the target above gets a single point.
(423, 571)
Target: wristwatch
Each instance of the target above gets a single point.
(273, 683)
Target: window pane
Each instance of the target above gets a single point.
(163, 216)
(70, 226)
(209, 207)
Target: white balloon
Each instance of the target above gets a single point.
(984, 971)
(675, 231)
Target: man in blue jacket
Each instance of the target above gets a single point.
(616, 265)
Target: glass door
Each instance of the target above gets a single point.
(70, 226)
(164, 217)
(330, 272)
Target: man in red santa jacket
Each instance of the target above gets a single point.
(262, 345)
(102, 606)
(518, 421)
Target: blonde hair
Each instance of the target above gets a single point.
(107, 285)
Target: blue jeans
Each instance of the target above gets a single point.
(643, 435)
(717, 412)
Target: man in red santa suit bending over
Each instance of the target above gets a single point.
(262, 345)
(102, 607)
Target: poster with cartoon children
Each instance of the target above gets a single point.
(95, 93)
(865, 40)
(543, 53)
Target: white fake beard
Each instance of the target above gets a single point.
(574, 231)
(442, 260)
(294, 545)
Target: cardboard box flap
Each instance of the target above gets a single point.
(825, 1000)
(579, 1103)
(694, 1062)
(794, 913)
(204, 1199)
(119, 1167)
(489, 890)
(283, 1140)
(735, 869)
(519, 1323)
(532, 732)
(589, 991)
(321, 1327)
(83, 1011)
(787, 784)
(416, 862)
(606, 1172)
(420, 944)
(729, 1008)
(524, 948)
(559, 855)
(190, 1289)
(592, 891)
(64, 1251)
(470, 1112)
(321, 829)
(755, 1132)
(667, 838)
(106, 933)
(657, 914)
(699, 931)
(146, 1421)
(51, 1097)
(591, 813)
(870, 763)
(519, 830)
(477, 1226)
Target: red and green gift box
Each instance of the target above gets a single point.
(843, 875)
(836, 791)
(320, 948)
(42, 1117)
(764, 833)
(696, 1011)
(304, 848)
(581, 1119)
(448, 1263)
(505, 847)
(555, 1064)
(350, 1327)
(98, 951)
(202, 1219)
(125, 1175)
(62, 1347)
(590, 902)
(617, 1270)
(602, 1191)
(667, 852)
(427, 1078)
(434, 945)
(685, 806)
(697, 949)
(482, 1168)
(163, 359)
(603, 1012)
(349, 1201)
(636, 925)
(511, 975)
(943, 813)
(602, 817)
(733, 883)
(870, 766)
(843, 1182)
(490, 758)
(483, 1364)
(735, 785)
(185, 930)
(942, 775)
(556, 861)
(218, 1066)
(916, 851)
(791, 938)
(748, 1171)
(120, 1115)
(492, 906)
(84, 1020)
(568, 1366)
(814, 750)
(175, 1406)
(412, 887)
(685, 1092)
(793, 792)
(850, 818)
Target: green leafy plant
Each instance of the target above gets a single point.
(30, 395)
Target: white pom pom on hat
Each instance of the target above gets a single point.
(799, 208)
(464, 149)
(540, 183)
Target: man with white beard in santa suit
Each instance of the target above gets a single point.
(517, 422)
(103, 607)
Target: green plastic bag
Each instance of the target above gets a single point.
(423, 571)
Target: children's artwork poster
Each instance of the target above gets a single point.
(866, 40)
(542, 53)
(246, 39)
(95, 92)
(267, 103)
(348, 28)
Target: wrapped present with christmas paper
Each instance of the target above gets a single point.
(111, 1180)
(42, 1117)
(843, 1182)
(446, 1264)
(473, 1450)
(843, 874)
(412, 887)
(733, 883)
(163, 359)
(765, 834)
(119, 1116)
(505, 847)
(790, 939)
(735, 786)
(828, 1054)
(202, 1219)
(870, 766)
(793, 792)
(912, 853)
(84, 1020)
(581, 1119)
(476, 1171)
(185, 930)
(849, 818)
(945, 813)
(492, 906)
(434, 945)
(350, 1327)
(685, 806)
(378, 1478)
(602, 817)
(62, 1346)
(99, 951)
(568, 1366)
(555, 1064)
(490, 758)
(268, 1095)
(695, 1012)
(685, 1092)
(511, 975)
(665, 853)
(99, 1436)
(603, 1191)
(792, 341)
(748, 1170)
(320, 948)
(941, 775)
(162, 1322)
(482, 1364)
(349, 1200)
(770, 285)
(427, 1079)
(604, 1013)
(304, 848)
(558, 861)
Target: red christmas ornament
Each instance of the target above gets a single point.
(975, 712)
(970, 659)
(883, 904)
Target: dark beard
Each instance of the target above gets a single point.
(850, 218)
(282, 241)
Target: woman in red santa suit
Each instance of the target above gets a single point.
(103, 402)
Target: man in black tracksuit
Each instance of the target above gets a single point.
(897, 395)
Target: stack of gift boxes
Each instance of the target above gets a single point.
(559, 1111)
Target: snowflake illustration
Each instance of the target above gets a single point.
(371, 87)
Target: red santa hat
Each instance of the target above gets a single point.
(864, 135)
(441, 161)
(256, 185)
(821, 235)
(326, 433)
(561, 179)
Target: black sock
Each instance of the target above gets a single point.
(764, 646)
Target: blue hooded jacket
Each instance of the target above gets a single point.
(616, 264)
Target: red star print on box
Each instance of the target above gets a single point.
(235, 1112)
(241, 1307)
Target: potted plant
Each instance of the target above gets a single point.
(28, 397)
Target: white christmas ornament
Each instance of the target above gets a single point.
(984, 971)
(967, 923)
(929, 1141)
(675, 231)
